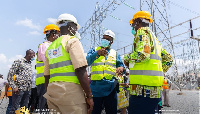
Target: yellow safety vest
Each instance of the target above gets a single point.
(60, 65)
(165, 85)
(40, 71)
(149, 73)
(104, 68)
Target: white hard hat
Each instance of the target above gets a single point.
(67, 17)
(109, 33)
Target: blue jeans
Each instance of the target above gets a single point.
(9, 105)
(142, 105)
(19, 100)
(109, 102)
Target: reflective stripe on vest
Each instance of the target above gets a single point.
(60, 65)
(146, 72)
(39, 64)
(40, 73)
(102, 68)
(9, 92)
(149, 73)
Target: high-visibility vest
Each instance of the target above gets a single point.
(40, 71)
(165, 85)
(9, 92)
(101, 68)
(149, 73)
(60, 65)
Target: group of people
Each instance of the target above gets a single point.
(62, 80)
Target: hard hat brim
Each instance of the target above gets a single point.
(131, 21)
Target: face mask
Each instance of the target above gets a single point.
(133, 32)
(77, 35)
(33, 58)
(105, 43)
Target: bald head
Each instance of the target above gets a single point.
(29, 51)
(29, 54)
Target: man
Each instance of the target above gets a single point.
(104, 62)
(52, 32)
(166, 86)
(145, 64)
(22, 69)
(8, 93)
(68, 89)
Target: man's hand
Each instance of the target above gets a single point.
(90, 104)
(16, 90)
(83, 79)
(124, 84)
(119, 70)
(102, 52)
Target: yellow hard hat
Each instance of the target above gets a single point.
(141, 14)
(51, 27)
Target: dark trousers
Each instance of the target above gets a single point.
(142, 105)
(9, 105)
(33, 100)
(19, 100)
(109, 102)
(42, 101)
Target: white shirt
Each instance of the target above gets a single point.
(34, 75)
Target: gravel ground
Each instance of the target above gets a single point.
(187, 103)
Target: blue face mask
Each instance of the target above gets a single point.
(133, 32)
(32, 59)
(105, 43)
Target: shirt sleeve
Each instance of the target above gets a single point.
(142, 45)
(76, 53)
(46, 67)
(91, 56)
(42, 52)
(167, 60)
(11, 73)
(119, 61)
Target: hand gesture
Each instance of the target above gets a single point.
(102, 52)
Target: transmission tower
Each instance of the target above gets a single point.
(93, 26)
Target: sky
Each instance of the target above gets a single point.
(23, 22)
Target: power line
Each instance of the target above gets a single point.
(181, 33)
(183, 7)
(178, 24)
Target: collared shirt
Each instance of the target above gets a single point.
(22, 69)
(42, 50)
(34, 75)
(143, 45)
(107, 85)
